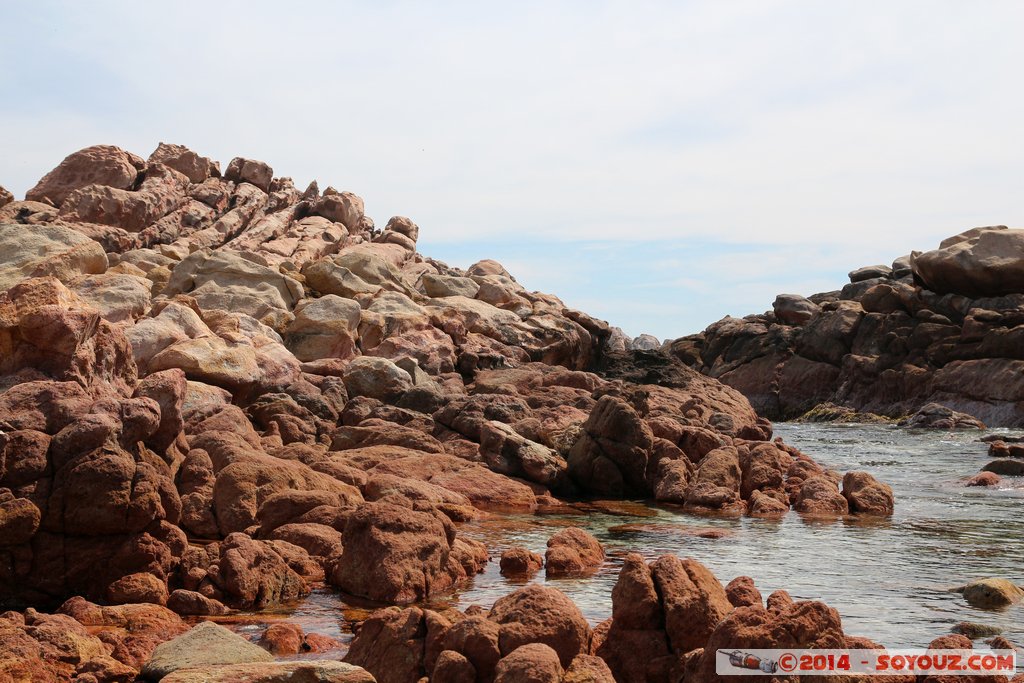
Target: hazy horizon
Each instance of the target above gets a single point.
(658, 165)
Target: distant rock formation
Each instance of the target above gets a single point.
(944, 326)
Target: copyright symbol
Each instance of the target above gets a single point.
(787, 662)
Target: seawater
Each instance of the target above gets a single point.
(889, 578)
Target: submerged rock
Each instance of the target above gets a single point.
(572, 551)
(518, 561)
(991, 592)
(975, 631)
(937, 416)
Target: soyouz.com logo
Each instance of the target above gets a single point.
(754, 662)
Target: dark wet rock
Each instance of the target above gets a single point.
(976, 631)
(936, 416)
(1010, 467)
(984, 479)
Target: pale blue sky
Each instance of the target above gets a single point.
(659, 164)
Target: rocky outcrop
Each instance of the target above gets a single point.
(397, 554)
(935, 416)
(402, 646)
(659, 611)
(937, 328)
(218, 390)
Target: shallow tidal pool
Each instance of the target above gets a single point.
(889, 579)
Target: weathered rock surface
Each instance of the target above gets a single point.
(321, 671)
(573, 551)
(937, 328)
(217, 390)
(206, 645)
(397, 554)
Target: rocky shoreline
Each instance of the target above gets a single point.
(937, 327)
(217, 391)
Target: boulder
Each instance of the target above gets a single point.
(327, 327)
(610, 456)
(1010, 467)
(161, 191)
(518, 561)
(253, 574)
(228, 281)
(645, 342)
(693, 601)
(321, 670)
(801, 625)
(282, 639)
(506, 451)
(449, 285)
(742, 592)
(391, 645)
(573, 551)
(138, 588)
(793, 309)
(477, 639)
(867, 495)
(991, 593)
(341, 207)
(716, 483)
(132, 631)
(250, 171)
(206, 645)
(980, 262)
(396, 554)
(984, 479)
(30, 251)
(870, 273)
(937, 416)
(104, 165)
(376, 378)
(183, 160)
(819, 495)
(532, 663)
(588, 669)
(191, 603)
(536, 614)
(452, 667)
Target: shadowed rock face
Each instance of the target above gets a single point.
(940, 327)
(217, 390)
